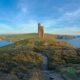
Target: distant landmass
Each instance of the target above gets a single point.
(33, 35)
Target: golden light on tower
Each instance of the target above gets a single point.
(40, 30)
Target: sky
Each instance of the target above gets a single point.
(57, 16)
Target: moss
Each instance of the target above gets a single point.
(71, 72)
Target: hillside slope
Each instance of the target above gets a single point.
(22, 57)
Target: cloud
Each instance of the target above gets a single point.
(59, 19)
(65, 30)
(22, 6)
(30, 26)
(4, 28)
(65, 24)
(70, 16)
(15, 14)
(66, 20)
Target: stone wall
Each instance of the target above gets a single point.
(40, 31)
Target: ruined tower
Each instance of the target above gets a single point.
(40, 31)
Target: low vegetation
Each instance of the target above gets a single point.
(22, 57)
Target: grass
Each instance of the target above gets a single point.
(71, 71)
(23, 54)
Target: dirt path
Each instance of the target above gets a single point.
(45, 61)
(52, 75)
(46, 75)
(37, 75)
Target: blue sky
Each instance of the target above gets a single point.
(57, 16)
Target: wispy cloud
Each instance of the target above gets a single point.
(28, 27)
(67, 18)
(70, 16)
(61, 17)
(5, 28)
(65, 30)
(65, 24)
(23, 7)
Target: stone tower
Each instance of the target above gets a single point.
(40, 31)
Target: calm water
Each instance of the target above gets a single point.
(75, 42)
(5, 43)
